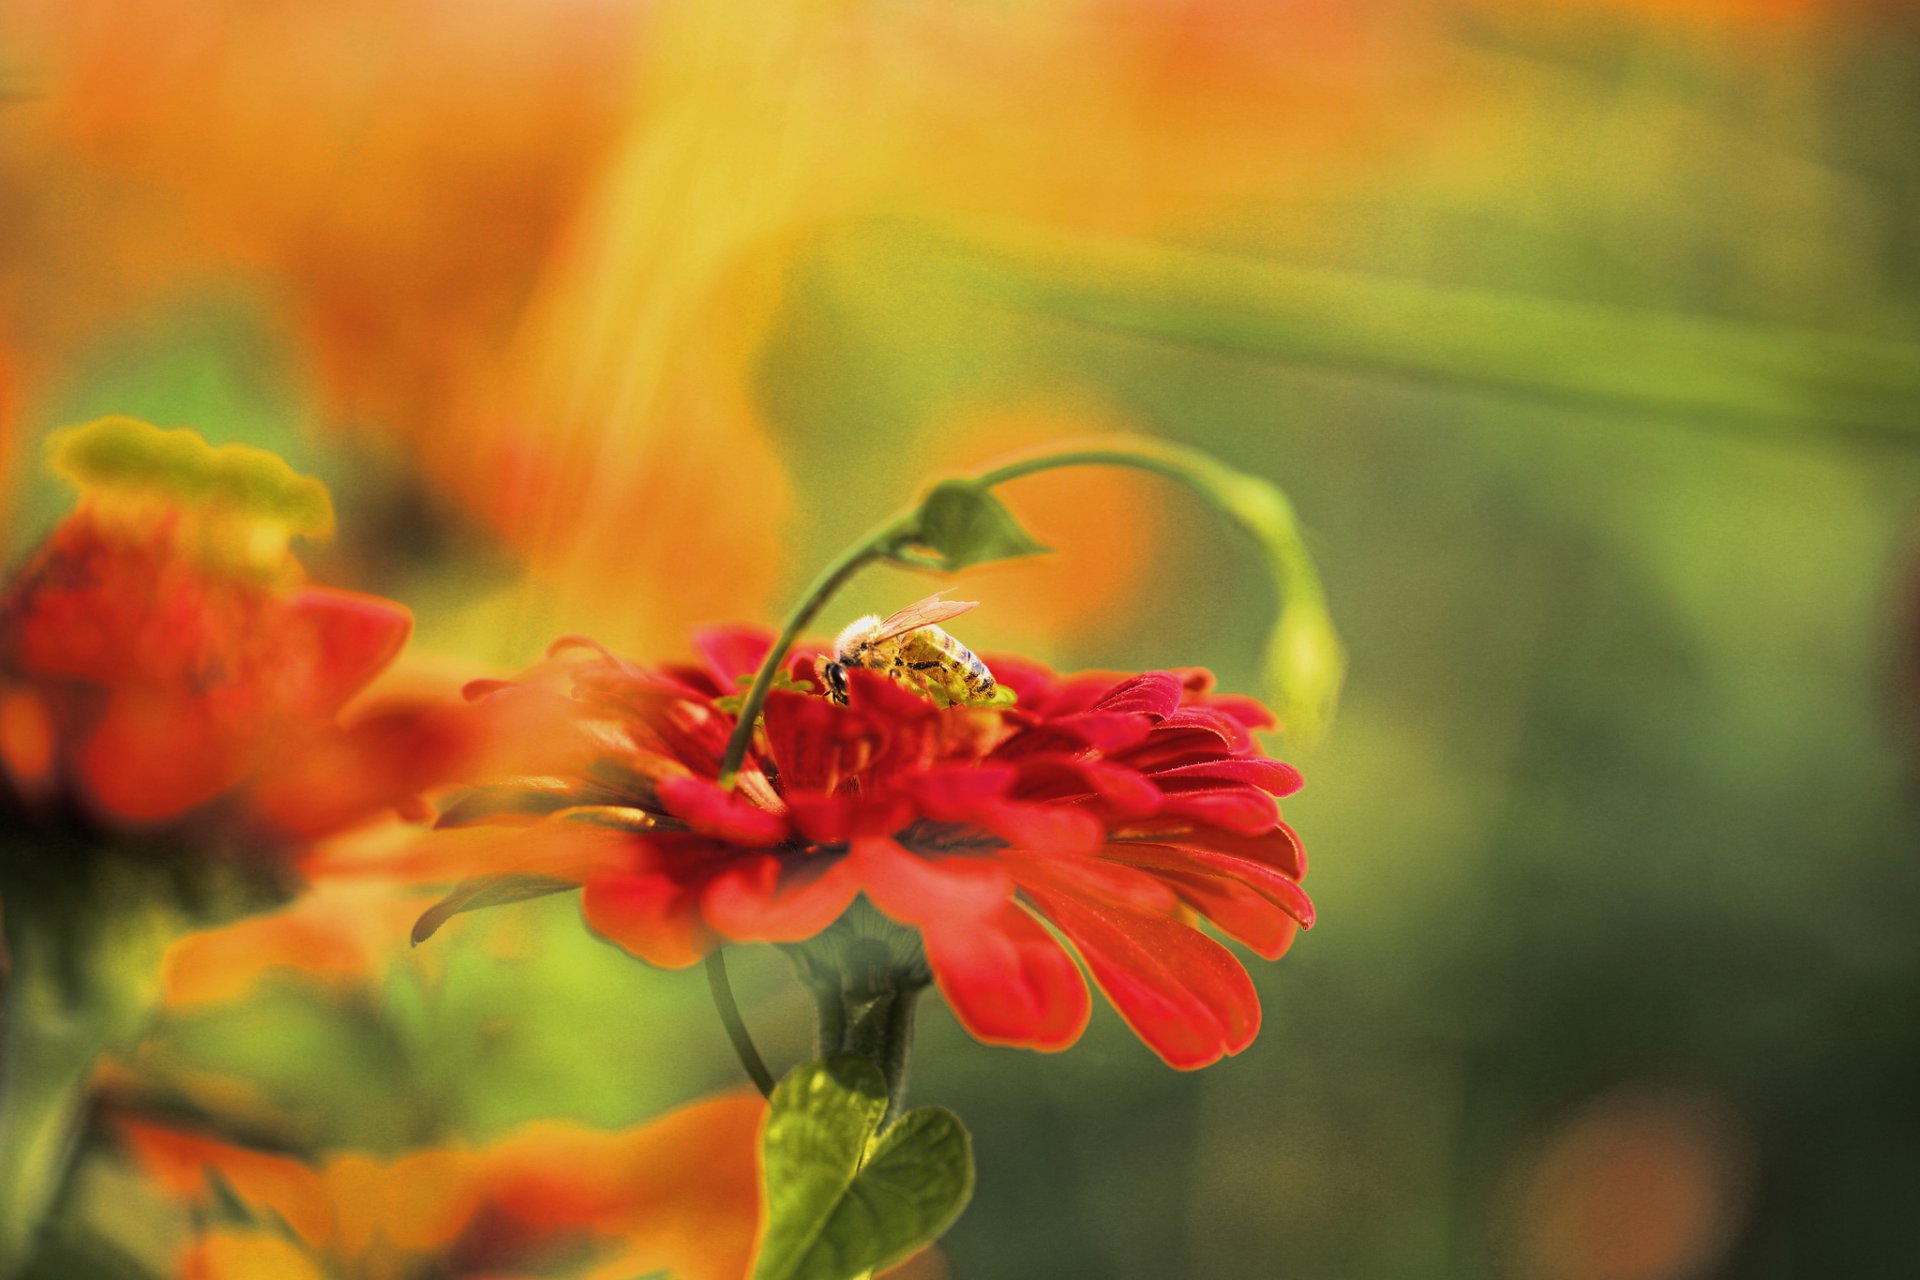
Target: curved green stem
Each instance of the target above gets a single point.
(1305, 662)
(1256, 506)
(743, 1047)
(1304, 656)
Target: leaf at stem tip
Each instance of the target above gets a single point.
(963, 524)
(840, 1201)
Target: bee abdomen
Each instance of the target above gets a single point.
(972, 672)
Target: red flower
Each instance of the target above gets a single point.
(161, 665)
(1119, 809)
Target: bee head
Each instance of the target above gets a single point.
(835, 678)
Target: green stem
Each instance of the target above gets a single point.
(1255, 505)
(47, 1052)
(875, 1022)
(1146, 455)
(866, 973)
(1198, 471)
(882, 542)
(1304, 660)
(83, 981)
(743, 1046)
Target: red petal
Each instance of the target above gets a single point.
(732, 652)
(151, 759)
(1069, 695)
(1239, 911)
(838, 819)
(1273, 883)
(816, 743)
(1031, 682)
(775, 899)
(914, 889)
(1181, 992)
(956, 794)
(1152, 693)
(1273, 776)
(1127, 887)
(711, 810)
(1043, 828)
(653, 916)
(972, 797)
(1060, 777)
(1241, 809)
(1008, 981)
(1218, 723)
(1247, 711)
(357, 636)
(1101, 731)
(336, 779)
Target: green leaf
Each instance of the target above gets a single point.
(1658, 365)
(840, 1201)
(963, 524)
(486, 891)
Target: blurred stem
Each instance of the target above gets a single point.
(48, 1046)
(46, 1059)
(1659, 366)
(80, 983)
(743, 1047)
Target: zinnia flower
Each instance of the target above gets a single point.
(678, 1195)
(165, 673)
(1119, 810)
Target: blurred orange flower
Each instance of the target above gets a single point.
(162, 666)
(679, 1195)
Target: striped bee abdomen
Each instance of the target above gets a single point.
(930, 659)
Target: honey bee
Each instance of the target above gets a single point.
(913, 650)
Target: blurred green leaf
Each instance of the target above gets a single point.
(841, 1202)
(1666, 364)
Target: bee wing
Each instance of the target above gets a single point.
(921, 613)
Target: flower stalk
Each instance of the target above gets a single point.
(71, 996)
(866, 975)
(737, 1033)
(883, 541)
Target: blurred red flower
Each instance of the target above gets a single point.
(1118, 809)
(679, 1195)
(162, 665)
